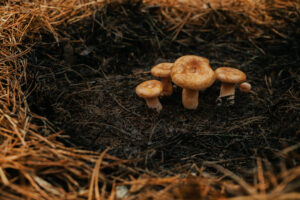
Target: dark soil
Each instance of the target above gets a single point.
(85, 85)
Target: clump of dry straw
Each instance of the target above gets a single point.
(34, 165)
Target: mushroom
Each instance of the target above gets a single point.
(192, 73)
(245, 87)
(150, 90)
(163, 71)
(229, 77)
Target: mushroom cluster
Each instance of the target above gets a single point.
(193, 74)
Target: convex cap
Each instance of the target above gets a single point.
(245, 87)
(230, 75)
(149, 89)
(192, 72)
(162, 70)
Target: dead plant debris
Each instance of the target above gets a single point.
(79, 73)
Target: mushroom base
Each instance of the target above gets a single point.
(167, 86)
(190, 98)
(154, 103)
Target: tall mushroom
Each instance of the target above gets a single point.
(229, 77)
(163, 71)
(150, 90)
(192, 73)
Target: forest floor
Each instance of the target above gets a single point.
(85, 85)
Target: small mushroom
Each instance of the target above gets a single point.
(192, 73)
(245, 87)
(150, 90)
(229, 77)
(163, 71)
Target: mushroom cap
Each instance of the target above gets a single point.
(245, 87)
(149, 89)
(230, 75)
(192, 72)
(162, 70)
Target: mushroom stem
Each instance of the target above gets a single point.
(227, 89)
(190, 98)
(167, 86)
(154, 103)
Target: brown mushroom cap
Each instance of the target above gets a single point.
(230, 75)
(245, 87)
(149, 89)
(192, 72)
(162, 70)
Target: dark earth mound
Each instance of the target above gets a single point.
(85, 85)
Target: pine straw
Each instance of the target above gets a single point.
(34, 165)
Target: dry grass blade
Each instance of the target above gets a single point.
(94, 184)
(250, 190)
(4, 179)
(261, 178)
